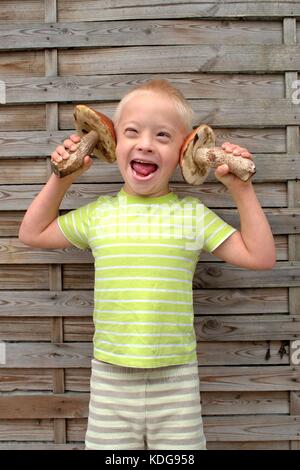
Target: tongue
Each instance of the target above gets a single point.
(144, 168)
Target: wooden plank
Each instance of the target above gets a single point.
(13, 251)
(24, 380)
(78, 355)
(66, 405)
(76, 429)
(13, 118)
(295, 403)
(212, 379)
(210, 276)
(259, 140)
(252, 379)
(248, 327)
(269, 168)
(26, 430)
(27, 171)
(214, 275)
(71, 10)
(282, 222)
(290, 38)
(137, 33)
(225, 328)
(19, 197)
(30, 144)
(265, 445)
(252, 428)
(41, 446)
(244, 403)
(25, 329)
(240, 353)
(239, 301)
(242, 112)
(258, 113)
(229, 428)
(20, 277)
(10, 222)
(70, 405)
(16, 11)
(21, 64)
(89, 88)
(55, 271)
(11, 247)
(46, 303)
(41, 144)
(208, 328)
(200, 58)
(47, 355)
(79, 303)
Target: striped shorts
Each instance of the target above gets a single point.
(138, 409)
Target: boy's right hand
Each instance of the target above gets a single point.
(62, 152)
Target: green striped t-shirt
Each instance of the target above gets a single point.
(146, 251)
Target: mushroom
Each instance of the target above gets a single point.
(198, 154)
(98, 139)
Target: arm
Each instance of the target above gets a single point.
(39, 226)
(253, 247)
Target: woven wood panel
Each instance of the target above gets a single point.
(237, 62)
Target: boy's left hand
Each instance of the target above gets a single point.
(222, 172)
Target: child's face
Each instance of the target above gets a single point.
(150, 129)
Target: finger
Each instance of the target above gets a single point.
(60, 149)
(75, 138)
(228, 147)
(56, 157)
(246, 154)
(87, 160)
(70, 145)
(62, 152)
(222, 169)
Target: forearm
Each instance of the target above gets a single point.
(44, 208)
(255, 229)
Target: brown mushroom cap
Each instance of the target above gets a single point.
(195, 173)
(88, 119)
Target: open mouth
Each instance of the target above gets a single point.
(142, 169)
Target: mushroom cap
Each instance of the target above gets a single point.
(202, 136)
(88, 119)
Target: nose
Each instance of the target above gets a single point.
(144, 143)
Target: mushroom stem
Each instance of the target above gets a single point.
(213, 157)
(75, 160)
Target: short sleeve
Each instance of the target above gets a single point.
(75, 226)
(216, 230)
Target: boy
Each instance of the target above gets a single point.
(146, 243)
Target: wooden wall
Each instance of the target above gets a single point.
(237, 63)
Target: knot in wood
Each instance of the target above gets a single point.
(212, 324)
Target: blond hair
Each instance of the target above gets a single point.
(162, 87)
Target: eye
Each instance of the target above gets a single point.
(130, 131)
(163, 135)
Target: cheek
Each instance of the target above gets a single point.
(173, 161)
(120, 154)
